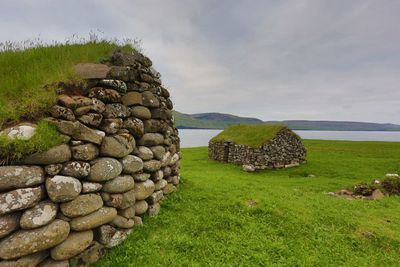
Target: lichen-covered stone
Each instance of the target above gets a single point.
(120, 86)
(13, 177)
(120, 184)
(141, 112)
(105, 95)
(168, 189)
(155, 197)
(150, 100)
(143, 189)
(159, 185)
(85, 152)
(91, 119)
(116, 110)
(20, 199)
(128, 213)
(60, 112)
(135, 126)
(151, 165)
(63, 188)
(26, 242)
(117, 146)
(82, 205)
(111, 126)
(77, 169)
(92, 254)
(122, 222)
(131, 164)
(110, 236)
(158, 152)
(151, 139)
(105, 169)
(75, 243)
(143, 152)
(53, 263)
(57, 154)
(141, 177)
(154, 209)
(120, 201)
(95, 219)
(41, 214)
(26, 261)
(141, 207)
(89, 187)
(53, 169)
(132, 98)
(22, 131)
(9, 223)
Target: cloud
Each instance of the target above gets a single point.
(304, 59)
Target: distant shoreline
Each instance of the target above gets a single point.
(319, 130)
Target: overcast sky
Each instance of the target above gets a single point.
(271, 59)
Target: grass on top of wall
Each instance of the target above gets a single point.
(249, 135)
(24, 73)
(45, 137)
(222, 216)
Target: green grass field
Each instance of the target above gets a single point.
(222, 216)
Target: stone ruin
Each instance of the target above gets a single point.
(284, 150)
(119, 160)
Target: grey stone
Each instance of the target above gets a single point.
(111, 126)
(105, 95)
(131, 164)
(117, 146)
(151, 139)
(58, 154)
(53, 263)
(105, 169)
(132, 98)
(121, 201)
(91, 119)
(143, 189)
(120, 184)
(122, 222)
(141, 177)
(154, 209)
(85, 152)
(41, 214)
(128, 213)
(168, 189)
(159, 185)
(92, 254)
(26, 242)
(150, 100)
(155, 126)
(116, 110)
(88, 187)
(158, 152)
(13, 177)
(174, 159)
(26, 261)
(75, 243)
(63, 188)
(60, 112)
(138, 221)
(20, 199)
(141, 207)
(9, 223)
(155, 197)
(151, 165)
(166, 159)
(77, 130)
(118, 85)
(135, 126)
(77, 169)
(110, 236)
(143, 152)
(53, 169)
(141, 112)
(95, 219)
(22, 131)
(91, 71)
(82, 205)
(158, 175)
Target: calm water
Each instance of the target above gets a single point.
(194, 138)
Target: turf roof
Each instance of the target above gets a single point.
(249, 135)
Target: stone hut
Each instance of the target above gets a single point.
(258, 147)
(118, 161)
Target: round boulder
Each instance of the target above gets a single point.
(105, 169)
(117, 146)
(151, 139)
(143, 189)
(152, 165)
(131, 164)
(75, 243)
(120, 184)
(95, 219)
(63, 188)
(143, 152)
(78, 169)
(82, 205)
(39, 215)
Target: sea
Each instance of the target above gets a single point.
(200, 137)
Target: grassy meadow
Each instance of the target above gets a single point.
(222, 216)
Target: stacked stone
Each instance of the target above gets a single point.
(283, 151)
(119, 160)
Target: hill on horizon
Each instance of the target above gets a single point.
(214, 120)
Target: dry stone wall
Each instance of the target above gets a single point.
(119, 160)
(283, 151)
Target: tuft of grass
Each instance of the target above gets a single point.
(290, 222)
(45, 137)
(24, 73)
(249, 135)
